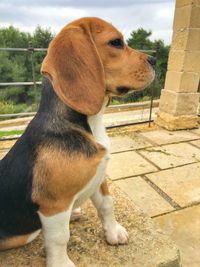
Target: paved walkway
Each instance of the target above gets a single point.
(160, 172)
(110, 119)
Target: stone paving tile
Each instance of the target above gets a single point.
(183, 227)
(11, 128)
(196, 131)
(3, 153)
(182, 184)
(144, 196)
(127, 116)
(128, 164)
(7, 144)
(173, 155)
(196, 143)
(162, 137)
(125, 143)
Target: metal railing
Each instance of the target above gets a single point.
(31, 50)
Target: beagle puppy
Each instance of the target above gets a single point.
(61, 158)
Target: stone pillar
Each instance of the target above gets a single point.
(179, 99)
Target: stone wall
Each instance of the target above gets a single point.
(179, 99)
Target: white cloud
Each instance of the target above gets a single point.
(126, 15)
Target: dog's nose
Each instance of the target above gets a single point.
(152, 61)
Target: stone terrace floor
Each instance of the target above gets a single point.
(160, 172)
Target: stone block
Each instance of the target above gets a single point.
(186, 39)
(195, 17)
(176, 60)
(196, 131)
(173, 123)
(128, 164)
(196, 143)
(125, 143)
(182, 17)
(183, 228)
(192, 61)
(182, 184)
(193, 42)
(173, 155)
(185, 82)
(121, 143)
(187, 16)
(147, 198)
(180, 39)
(179, 103)
(163, 137)
(181, 3)
(184, 61)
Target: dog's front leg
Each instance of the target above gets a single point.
(56, 235)
(114, 232)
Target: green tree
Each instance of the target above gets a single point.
(139, 39)
(40, 39)
(12, 37)
(16, 66)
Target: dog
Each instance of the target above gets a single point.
(60, 160)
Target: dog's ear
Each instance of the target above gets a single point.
(74, 67)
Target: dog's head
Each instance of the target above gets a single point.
(89, 59)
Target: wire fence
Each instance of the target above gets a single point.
(32, 50)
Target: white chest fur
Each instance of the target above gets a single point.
(98, 128)
(99, 133)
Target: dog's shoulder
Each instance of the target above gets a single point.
(65, 163)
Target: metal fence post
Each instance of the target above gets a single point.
(31, 50)
(157, 50)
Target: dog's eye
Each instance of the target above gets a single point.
(117, 43)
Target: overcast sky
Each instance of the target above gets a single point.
(126, 15)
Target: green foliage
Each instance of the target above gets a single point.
(16, 67)
(10, 108)
(42, 37)
(140, 39)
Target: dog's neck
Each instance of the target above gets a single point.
(58, 115)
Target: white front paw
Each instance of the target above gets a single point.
(116, 234)
(70, 264)
(66, 262)
(76, 214)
